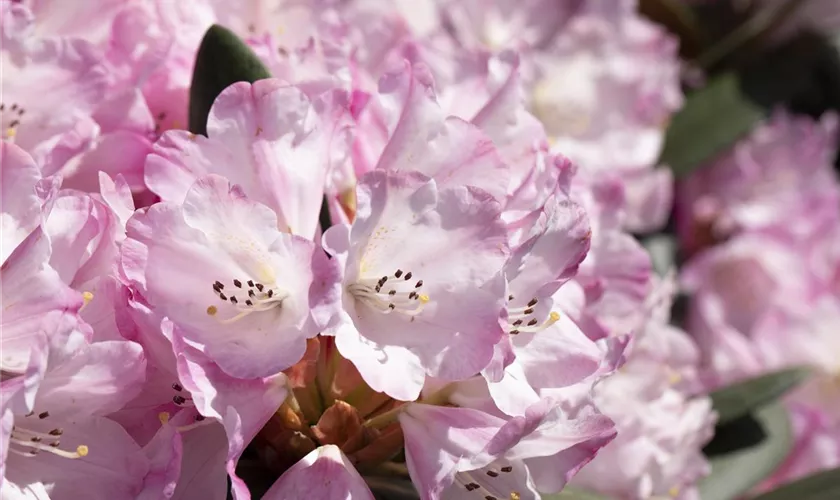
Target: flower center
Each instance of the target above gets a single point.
(527, 319)
(484, 487)
(397, 292)
(252, 297)
(29, 443)
(10, 118)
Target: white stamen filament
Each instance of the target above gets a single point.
(252, 298)
(32, 440)
(392, 293)
(522, 319)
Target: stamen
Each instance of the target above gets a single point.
(387, 296)
(237, 283)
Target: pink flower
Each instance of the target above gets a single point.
(323, 473)
(782, 174)
(243, 406)
(734, 286)
(57, 440)
(268, 138)
(253, 294)
(464, 452)
(620, 77)
(661, 425)
(34, 300)
(422, 287)
(25, 197)
(51, 87)
(660, 435)
(404, 129)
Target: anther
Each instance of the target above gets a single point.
(382, 280)
(391, 306)
(237, 283)
(233, 299)
(178, 399)
(251, 293)
(408, 276)
(517, 322)
(55, 444)
(220, 285)
(530, 310)
(222, 296)
(419, 284)
(14, 107)
(56, 432)
(249, 303)
(199, 418)
(533, 322)
(507, 469)
(270, 293)
(250, 283)
(412, 295)
(394, 292)
(260, 286)
(532, 303)
(398, 273)
(514, 332)
(471, 486)
(36, 439)
(43, 415)
(177, 387)
(510, 297)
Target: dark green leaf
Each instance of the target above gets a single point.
(712, 119)
(824, 485)
(223, 59)
(742, 398)
(736, 472)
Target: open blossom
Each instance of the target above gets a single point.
(661, 426)
(269, 138)
(782, 174)
(57, 439)
(602, 80)
(421, 287)
(252, 292)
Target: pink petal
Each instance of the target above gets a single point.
(323, 474)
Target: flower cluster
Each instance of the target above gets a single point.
(766, 296)
(177, 315)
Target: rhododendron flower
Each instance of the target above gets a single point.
(34, 300)
(240, 291)
(661, 427)
(781, 175)
(269, 138)
(602, 80)
(56, 438)
(467, 453)
(422, 282)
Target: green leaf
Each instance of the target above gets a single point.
(223, 59)
(712, 119)
(574, 494)
(738, 471)
(824, 485)
(742, 398)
